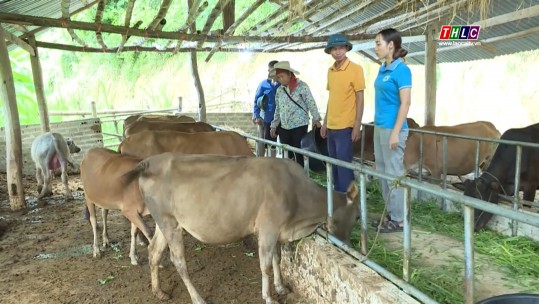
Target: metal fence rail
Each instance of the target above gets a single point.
(468, 203)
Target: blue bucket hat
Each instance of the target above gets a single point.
(337, 40)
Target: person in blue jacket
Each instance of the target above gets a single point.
(264, 103)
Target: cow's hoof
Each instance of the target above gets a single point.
(271, 301)
(134, 260)
(39, 188)
(161, 295)
(97, 253)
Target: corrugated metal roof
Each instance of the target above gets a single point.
(364, 17)
(38, 8)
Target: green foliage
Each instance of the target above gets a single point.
(24, 89)
(515, 256)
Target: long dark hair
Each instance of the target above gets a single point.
(391, 34)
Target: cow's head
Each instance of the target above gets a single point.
(486, 190)
(344, 218)
(73, 148)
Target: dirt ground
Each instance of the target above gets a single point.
(46, 257)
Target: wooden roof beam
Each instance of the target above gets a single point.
(114, 29)
(65, 15)
(159, 21)
(523, 13)
(74, 48)
(190, 22)
(217, 9)
(17, 41)
(156, 22)
(276, 14)
(233, 27)
(127, 22)
(98, 18)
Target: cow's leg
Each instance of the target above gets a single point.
(93, 222)
(39, 178)
(277, 278)
(132, 250)
(177, 255)
(67, 193)
(529, 193)
(136, 223)
(104, 214)
(46, 190)
(158, 244)
(266, 248)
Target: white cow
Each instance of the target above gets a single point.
(50, 151)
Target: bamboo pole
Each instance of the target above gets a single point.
(65, 15)
(233, 27)
(195, 74)
(191, 18)
(217, 9)
(98, 18)
(12, 129)
(128, 14)
(160, 14)
(108, 28)
(312, 7)
(37, 74)
(277, 13)
(73, 48)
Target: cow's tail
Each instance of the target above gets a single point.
(139, 170)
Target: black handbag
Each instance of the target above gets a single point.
(313, 142)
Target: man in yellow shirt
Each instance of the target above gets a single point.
(342, 124)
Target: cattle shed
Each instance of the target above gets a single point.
(278, 26)
(506, 27)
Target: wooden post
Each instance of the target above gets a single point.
(94, 110)
(12, 130)
(196, 77)
(180, 104)
(430, 75)
(37, 73)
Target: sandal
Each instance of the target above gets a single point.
(377, 223)
(390, 226)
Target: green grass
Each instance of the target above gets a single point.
(516, 257)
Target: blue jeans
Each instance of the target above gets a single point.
(340, 147)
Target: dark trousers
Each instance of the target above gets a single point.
(267, 136)
(293, 138)
(340, 147)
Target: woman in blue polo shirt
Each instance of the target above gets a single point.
(392, 101)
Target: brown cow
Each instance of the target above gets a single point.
(369, 141)
(153, 117)
(100, 173)
(188, 127)
(460, 152)
(219, 200)
(148, 143)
